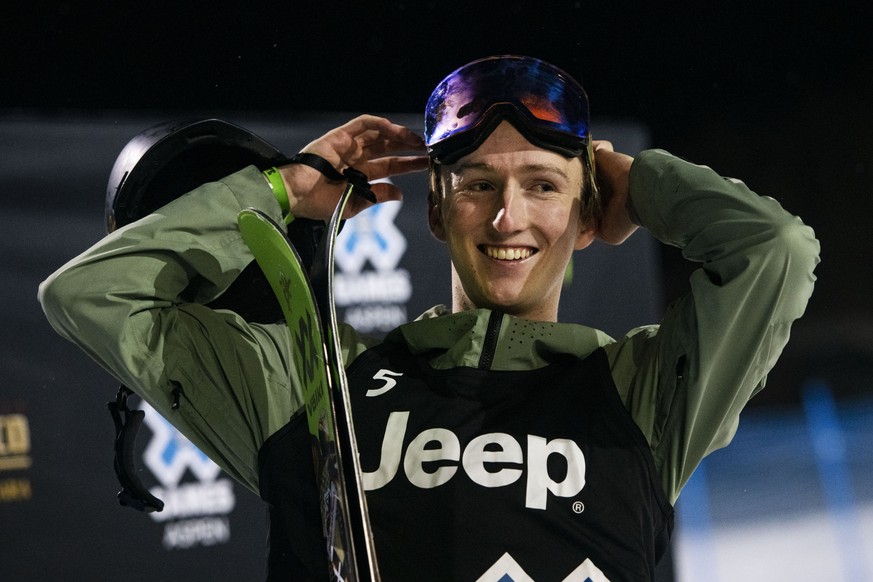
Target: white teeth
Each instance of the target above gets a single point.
(505, 254)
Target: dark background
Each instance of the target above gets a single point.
(779, 94)
(775, 93)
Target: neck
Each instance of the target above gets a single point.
(545, 310)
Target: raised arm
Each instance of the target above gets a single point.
(135, 301)
(686, 382)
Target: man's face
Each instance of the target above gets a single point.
(510, 215)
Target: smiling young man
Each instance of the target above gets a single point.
(495, 442)
(510, 213)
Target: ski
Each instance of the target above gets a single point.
(310, 314)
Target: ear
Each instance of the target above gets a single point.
(435, 216)
(587, 234)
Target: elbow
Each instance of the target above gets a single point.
(73, 301)
(797, 250)
(797, 242)
(79, 309)
(58, 298)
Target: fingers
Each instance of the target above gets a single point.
(378, 148)
(365, 143)
(368, 144)
(602, 145)
(368, 137)
(384, 191)
(370, 128)
(394, 166)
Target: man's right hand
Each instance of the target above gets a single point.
(366, 143)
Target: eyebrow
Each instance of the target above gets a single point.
(466, 166)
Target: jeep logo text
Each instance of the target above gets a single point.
(490, 460)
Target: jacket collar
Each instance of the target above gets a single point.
(459, 339)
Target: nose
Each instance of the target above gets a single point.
(511, 211)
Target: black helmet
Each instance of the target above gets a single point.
(169, 159)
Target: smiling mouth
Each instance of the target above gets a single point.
(507, 253)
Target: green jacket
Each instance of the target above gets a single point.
(134, 303)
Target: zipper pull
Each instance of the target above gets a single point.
(177, 394)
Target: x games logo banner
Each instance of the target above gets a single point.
(197, 499)
(368, 283)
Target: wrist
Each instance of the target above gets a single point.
(280, 190)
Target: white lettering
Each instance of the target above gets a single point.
(499, 450)
(539, 480)
(476, 455)
(392, 445)
(418, 453)
(375, 317)
(372, 287)
(386, 376)
(206, 531)
(195, 499)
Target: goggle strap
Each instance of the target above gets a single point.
(355, 177)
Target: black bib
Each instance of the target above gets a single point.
(472, 474)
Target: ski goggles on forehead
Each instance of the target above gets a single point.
(547, 106)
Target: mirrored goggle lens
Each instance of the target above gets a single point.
(543, 94)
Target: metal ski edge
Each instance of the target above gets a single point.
(322, 280)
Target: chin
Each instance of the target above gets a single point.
(508, 305)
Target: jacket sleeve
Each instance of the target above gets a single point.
(134, 303)
(686, 381)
